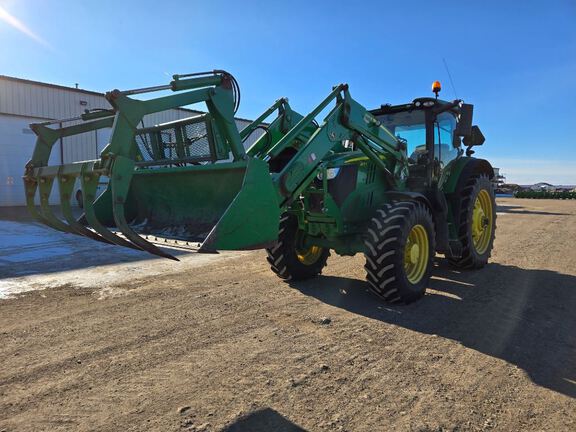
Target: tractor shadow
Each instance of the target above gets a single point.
(264, 420)
(525, 317)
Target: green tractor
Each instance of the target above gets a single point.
(393, 183)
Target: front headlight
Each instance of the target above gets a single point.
(330, 173)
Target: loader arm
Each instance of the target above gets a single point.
(348, 120)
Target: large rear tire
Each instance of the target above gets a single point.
(399, 251)
(289, 259)
(477, 227)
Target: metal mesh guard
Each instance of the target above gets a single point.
(184, 141)
(196, 139)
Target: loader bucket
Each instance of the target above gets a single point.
(224, 206)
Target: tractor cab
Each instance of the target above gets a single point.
(432, 130)
(421, 129)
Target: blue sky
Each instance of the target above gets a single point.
(515, 61)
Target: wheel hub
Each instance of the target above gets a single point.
(482, 221)
(414, 253)
(479, 219)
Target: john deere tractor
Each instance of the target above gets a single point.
(397, 183)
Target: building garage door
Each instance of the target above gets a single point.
(16, 146)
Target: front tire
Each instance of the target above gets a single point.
(289, 259)
(477, 227)
(399, 251)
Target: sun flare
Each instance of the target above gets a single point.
(20, 26)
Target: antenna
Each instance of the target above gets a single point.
(450, 76)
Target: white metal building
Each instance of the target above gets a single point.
(23, 102)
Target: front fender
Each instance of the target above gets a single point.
(459, 170)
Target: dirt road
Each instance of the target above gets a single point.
(228, 346)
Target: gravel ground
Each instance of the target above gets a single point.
(209, 344)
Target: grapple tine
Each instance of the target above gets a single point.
(31, 186)
(45, 183)
(135, 238)
(66, 183)
(89, 184)
(122, 171)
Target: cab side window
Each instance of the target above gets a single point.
(443, 130)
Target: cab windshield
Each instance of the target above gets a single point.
(409, 126)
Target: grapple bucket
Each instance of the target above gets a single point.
(174, 180)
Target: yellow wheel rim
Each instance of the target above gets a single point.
(416, 254)
(309, 256)
(482, 222)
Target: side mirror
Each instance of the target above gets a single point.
(464, 126)
(475, 138)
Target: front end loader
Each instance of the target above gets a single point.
(392, 183)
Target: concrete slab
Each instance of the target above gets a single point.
(33, 257)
